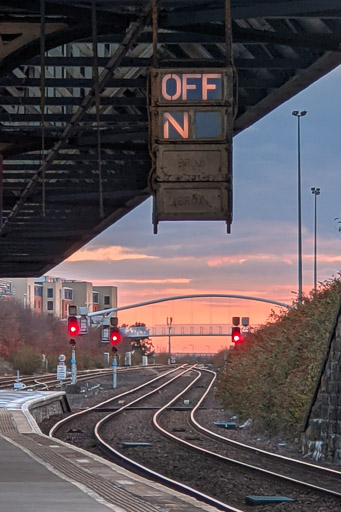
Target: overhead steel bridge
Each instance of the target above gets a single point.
(75, 145)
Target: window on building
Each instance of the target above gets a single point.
(50, 293)
(68, 294)
(50, 305)
(192, 330)
(201, 330)
(211, 329)
(220, 329)
(182, 330)
(95, 297)
(38, 291)
(163, 330)
(107, 300)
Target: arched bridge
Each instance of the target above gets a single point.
(75, 144)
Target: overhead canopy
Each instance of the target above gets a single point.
(57, 193)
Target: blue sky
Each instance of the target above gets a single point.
(259, 257)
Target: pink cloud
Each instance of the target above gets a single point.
(112, 253)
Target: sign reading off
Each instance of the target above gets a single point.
(191, 116)
(191, 87)
(196, 89)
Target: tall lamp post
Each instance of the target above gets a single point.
(169, 323)
(316, 192)
(298, 114)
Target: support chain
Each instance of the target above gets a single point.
(95, 76)
(42, 99)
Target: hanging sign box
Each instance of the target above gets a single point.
(191, 119)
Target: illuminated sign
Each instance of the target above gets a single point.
(192, 125)
(191, 120)
(182, 87)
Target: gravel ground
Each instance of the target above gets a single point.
(135, 429)
(85, 395)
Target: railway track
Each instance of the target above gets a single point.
(49, 381)
(189, 456)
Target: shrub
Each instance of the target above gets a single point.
(26, 360)
(271, 377)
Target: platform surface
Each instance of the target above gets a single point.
(42, 474)
(27, 485)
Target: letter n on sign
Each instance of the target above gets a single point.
(175, 125)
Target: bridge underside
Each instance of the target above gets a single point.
(59, 189)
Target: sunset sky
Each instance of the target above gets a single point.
(259, 257)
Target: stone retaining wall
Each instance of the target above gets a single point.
(48, 408)
(322, 435)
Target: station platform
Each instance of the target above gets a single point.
(41, 474)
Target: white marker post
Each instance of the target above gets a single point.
(61, 368)
(73, 363)
(114, 371)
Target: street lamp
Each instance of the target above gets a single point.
(298, 114)
(169, 323)
(316, 192)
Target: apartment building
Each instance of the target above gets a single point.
(106, 297)
(53, 295)
(22, 289)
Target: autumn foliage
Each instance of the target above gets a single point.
(25, 336)
(272, 376)
(20, 328)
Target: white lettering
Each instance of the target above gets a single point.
(164, 93)
(186, 86)
(206, 86)
(169, 120)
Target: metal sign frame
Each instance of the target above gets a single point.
(191, 121)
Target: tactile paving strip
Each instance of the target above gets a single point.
(109, 491)
(7, 425)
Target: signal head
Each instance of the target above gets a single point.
(115, 336)
(73, 326)
(236, 336)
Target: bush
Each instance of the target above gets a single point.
(86, 360)
(26, 360)
(272, 376)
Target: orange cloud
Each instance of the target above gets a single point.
(112, 253)
(176, 280)
(216, 261)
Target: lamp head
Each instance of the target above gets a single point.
(299, 114)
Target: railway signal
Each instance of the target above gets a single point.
(236, 335)
(77, 323)
(73, 326)
(235, 320)
(115, 336)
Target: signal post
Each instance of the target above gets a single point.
(76, 324)
(111, 334)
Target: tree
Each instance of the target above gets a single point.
(140, 342)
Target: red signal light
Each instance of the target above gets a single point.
(73, 326)
(236, 336)
(115, 336)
